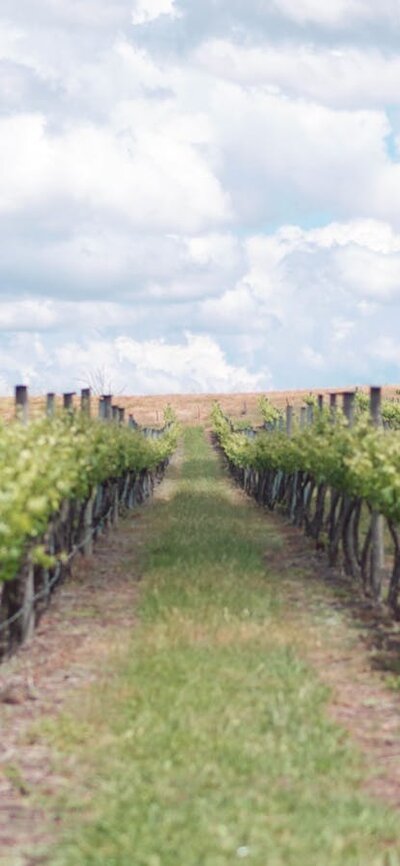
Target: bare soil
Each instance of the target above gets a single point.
(90, 618)
(354, 645)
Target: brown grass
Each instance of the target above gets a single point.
(195, 408)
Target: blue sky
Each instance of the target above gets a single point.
(199, 196)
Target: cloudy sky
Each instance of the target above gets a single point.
(199, 195)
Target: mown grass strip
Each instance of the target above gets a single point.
(211, 744)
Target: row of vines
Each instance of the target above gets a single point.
(63, 480)
(340, 482)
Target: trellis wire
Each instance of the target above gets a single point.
(56, 578)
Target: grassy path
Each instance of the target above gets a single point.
(211, 744)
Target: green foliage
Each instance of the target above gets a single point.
(360, 461)
(390, 410)
(361, 403)
(269, 412)
(169, 415)
(391, 414)
(60, 458)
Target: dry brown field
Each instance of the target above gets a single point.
(195, 408)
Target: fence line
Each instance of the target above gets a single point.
(107, 410)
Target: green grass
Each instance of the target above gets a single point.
(210, 745)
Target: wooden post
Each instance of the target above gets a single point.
(86, 401)
(28, 614)
(121, 415)
(289, 420)
(68, 401)
(102, 409)
(377, 522)
(375, 403)
(320, 402)
(348, 406)
(22, 403)
(50, 404)
(303, 417)
(115, 413)
(88, 525)
(310, 414)
(107, 399)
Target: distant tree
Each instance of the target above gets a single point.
(99, 380)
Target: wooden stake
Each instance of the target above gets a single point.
(375, 403)
(348, 406)
(68, 401)
(289, 420)
(377, 522)
(86, 401)
(107, 399)
(50, 405)
(22, 403)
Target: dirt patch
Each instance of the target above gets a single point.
(90, 617)
(354, 646)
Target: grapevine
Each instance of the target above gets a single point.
(331, 478)
(361, 461)
(57, 459)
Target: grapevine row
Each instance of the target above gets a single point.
(335, 480)
(63, 478)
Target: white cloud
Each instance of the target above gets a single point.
(155, 366)
(342, 329)
(317, 297)
(154, 181)
(379, 237)
(294, 154)
(149, 10)
(346, 77)
(136, 172)
(195, 365)
(367, 273)
(292, 312)
(337, 12)
(313, 359)
(46, 314)
(386, 349)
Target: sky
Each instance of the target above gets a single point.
(199, 195)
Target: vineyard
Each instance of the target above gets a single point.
(204, 726)
(64, 478)
(334, 472)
